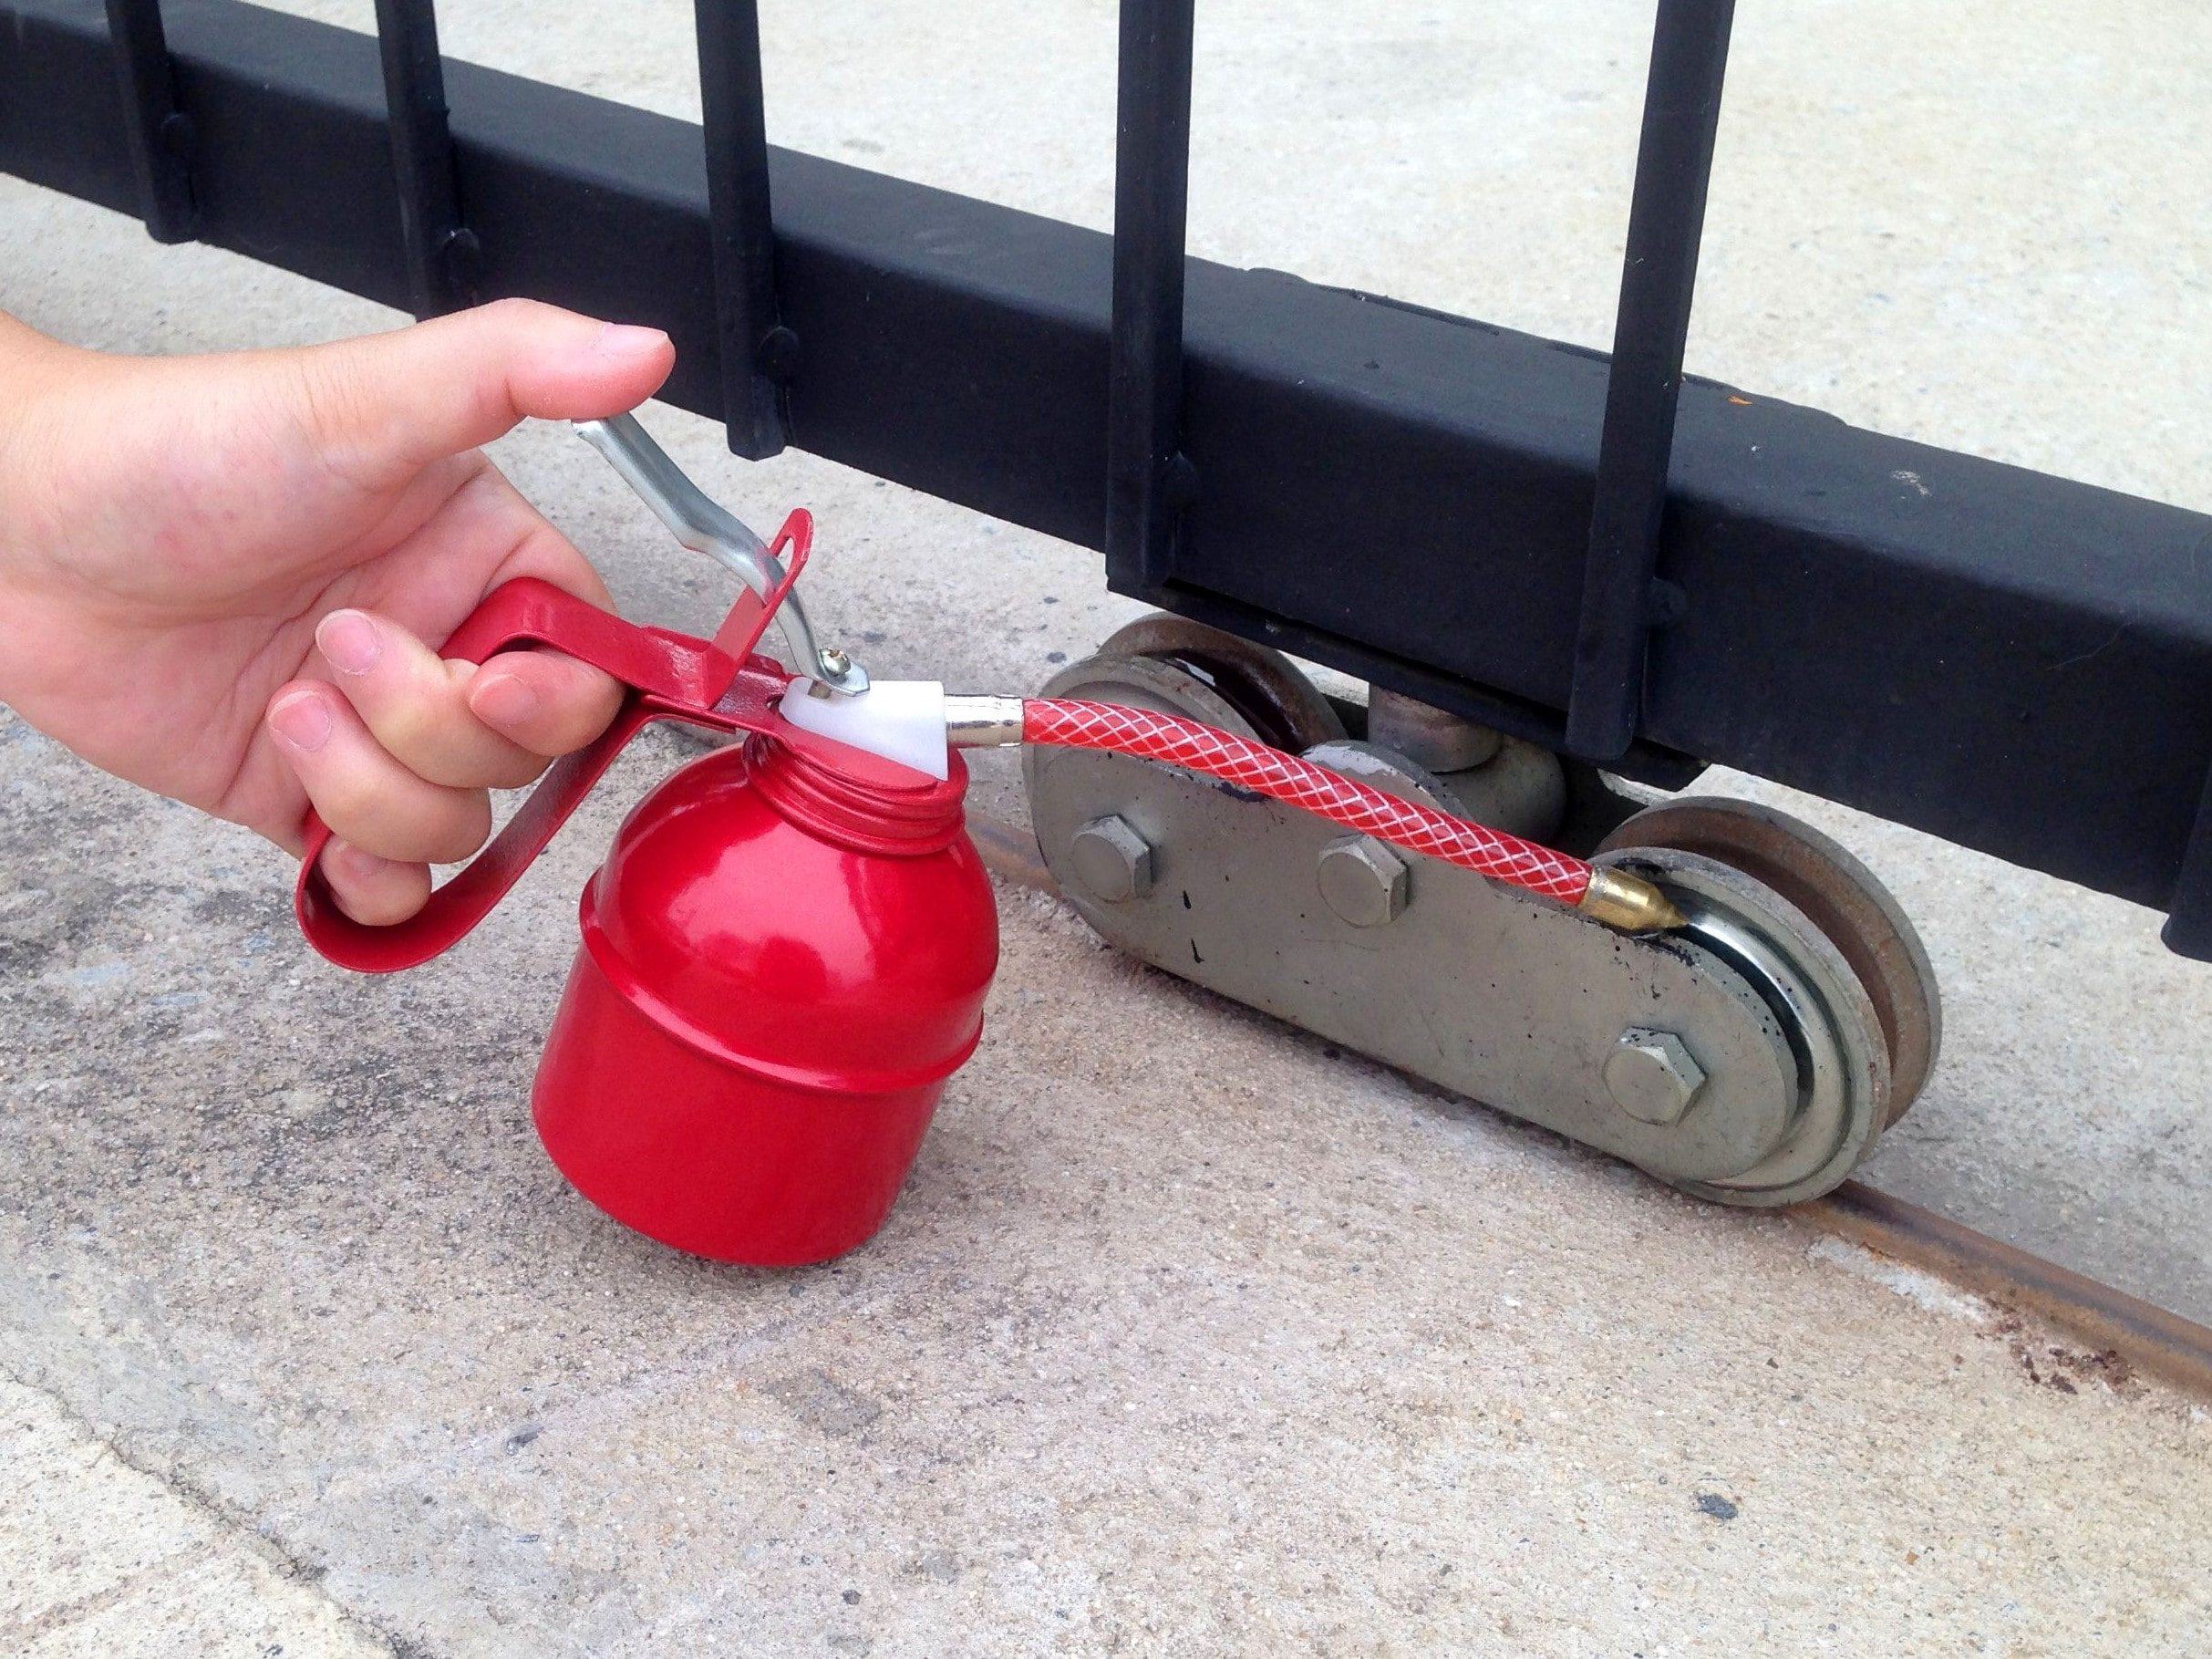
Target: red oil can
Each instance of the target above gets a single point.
(784, 956)
(781, 964)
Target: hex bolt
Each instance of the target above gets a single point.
(1362, 881)
(1651, 1076)
(1113, 859)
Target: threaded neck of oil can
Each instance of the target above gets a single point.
(859, 801)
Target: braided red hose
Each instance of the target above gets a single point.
(1070, 724)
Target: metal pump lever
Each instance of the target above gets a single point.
(703, 525)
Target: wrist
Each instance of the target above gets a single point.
(31, 365)
(36, 373)
(33, 370)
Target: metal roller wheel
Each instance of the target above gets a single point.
(1838, 894)
(1180, 667)
(1147, 682)
(1133, 683)
(1794, 925)
(1279, 705)
(1827, 1019)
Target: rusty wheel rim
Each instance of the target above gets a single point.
(1282, 706)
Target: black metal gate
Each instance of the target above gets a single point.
(1636, 567)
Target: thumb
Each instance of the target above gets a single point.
(403, 399)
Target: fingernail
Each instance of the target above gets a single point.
(302, 720)
(352, 643)
(503, 699)
(627, 340)
(352, 861)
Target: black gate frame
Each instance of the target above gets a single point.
(1600, 553)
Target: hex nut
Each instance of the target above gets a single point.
(1362, 881)
(1112, 859)
(1652, 1077)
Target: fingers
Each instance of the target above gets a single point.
(372, 890)
(544, 703)
(457, 724)
(402, 399)
(365, 796)
(396, 752)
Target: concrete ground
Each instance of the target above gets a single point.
(1189, 1335)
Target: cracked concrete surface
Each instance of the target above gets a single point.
(1190, 1335)
(106, 1559)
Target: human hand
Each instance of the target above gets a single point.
(217, 574)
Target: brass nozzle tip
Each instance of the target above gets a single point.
(1628, 902)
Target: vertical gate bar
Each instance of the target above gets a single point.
(442, 254)
(758, 354)
(1666, 222)
(1149, 481)
(159, 134)
(2188, 926)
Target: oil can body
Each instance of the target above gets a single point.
(783, 962)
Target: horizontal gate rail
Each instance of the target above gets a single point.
(2012, 661)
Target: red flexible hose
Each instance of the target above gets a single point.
(1070, 724)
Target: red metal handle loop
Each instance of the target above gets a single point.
(715, 683)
